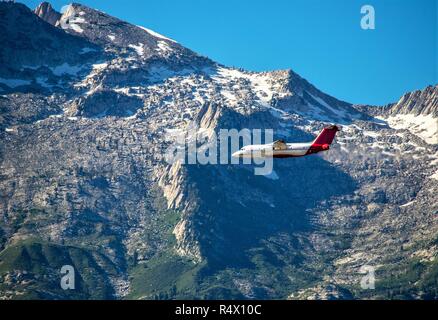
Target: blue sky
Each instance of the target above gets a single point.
(319, 39)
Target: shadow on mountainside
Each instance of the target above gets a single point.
(239, 211)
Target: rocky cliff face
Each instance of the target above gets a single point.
(420, 102)
(83, 178)
(47, 13)
(415, 111)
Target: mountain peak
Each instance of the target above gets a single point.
(124, 38)
(79, 20)
(29, 42)
(46, 12)
(417, 102)
(92, 107)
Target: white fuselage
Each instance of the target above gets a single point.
(268, 150)
(281, 149)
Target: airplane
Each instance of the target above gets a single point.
(281, 149)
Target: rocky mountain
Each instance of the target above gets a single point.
(47, 13)
(87, 105)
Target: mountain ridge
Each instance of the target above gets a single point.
(47, 13)
(83, 175)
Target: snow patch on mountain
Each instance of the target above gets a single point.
(138, 48)
(156, 34)
(13, 83)
(164, 47)
(42, 81)
(407, 204)
(86, 50)
(424, 126)
(372, 134)
(326, 105)
(65, 68)
(232, 81)
(70, 19)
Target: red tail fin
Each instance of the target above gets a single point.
(326, 136)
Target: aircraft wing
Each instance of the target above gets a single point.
(279, 145)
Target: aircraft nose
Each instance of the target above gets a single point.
(237, 154)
